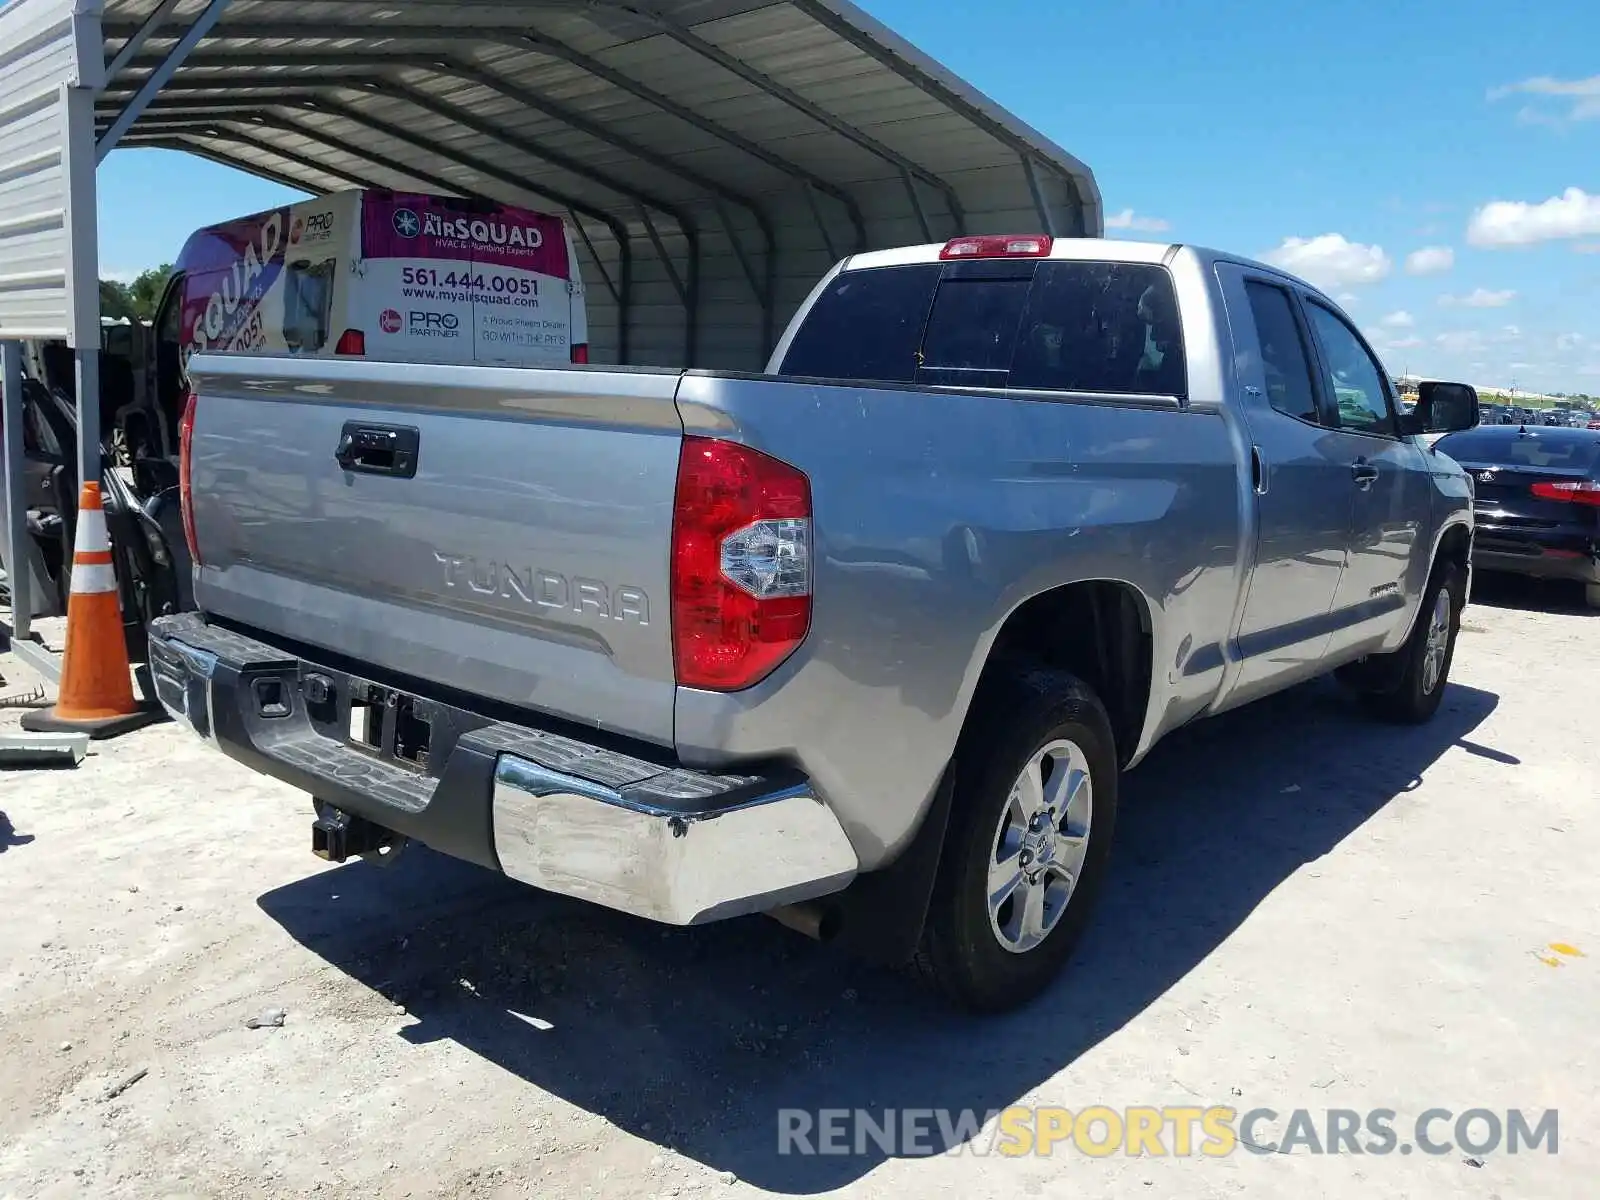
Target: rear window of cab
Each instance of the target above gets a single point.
(1036, 325)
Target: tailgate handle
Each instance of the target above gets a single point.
(379, 449)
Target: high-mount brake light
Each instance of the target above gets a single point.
(1030, 245)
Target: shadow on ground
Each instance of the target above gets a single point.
(1494, 589)
(694, 1039)
(9, 837)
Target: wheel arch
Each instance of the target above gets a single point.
(1101, 630)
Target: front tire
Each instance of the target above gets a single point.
(1424, 661)
(1029, 839)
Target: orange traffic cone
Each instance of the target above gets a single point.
(96, 694)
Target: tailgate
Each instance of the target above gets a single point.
(504, 532)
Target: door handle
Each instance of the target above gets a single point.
(1364, 473)
(378, 449)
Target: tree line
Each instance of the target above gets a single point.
(136, 299)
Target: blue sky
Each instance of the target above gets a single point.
(1339, 139)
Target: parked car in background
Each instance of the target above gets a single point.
(865, 642)
(1537, 501)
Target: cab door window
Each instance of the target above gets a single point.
(1285, 358)
(1352, 376)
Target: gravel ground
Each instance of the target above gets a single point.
(1307, 911)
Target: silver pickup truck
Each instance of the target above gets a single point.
(862, 642)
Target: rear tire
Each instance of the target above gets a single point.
(1422, 665)
(1591, 595)
(1034, 809)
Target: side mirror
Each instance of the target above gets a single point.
(1444, 408)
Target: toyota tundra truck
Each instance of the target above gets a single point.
(864, 641)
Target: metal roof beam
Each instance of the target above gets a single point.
(333, 31)
(469, 120)
(555, 48)
(213, 104)
(220, 132)
(846, 30)
(461, 158)
(137, 35)
(158, 78)
(661, 162)
(179, 141)
(1037, 190)
(508, 89)
(438, 182)
(371, 69)
(687, 38)
(444, 65)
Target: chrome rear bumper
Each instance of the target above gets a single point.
(676, 846)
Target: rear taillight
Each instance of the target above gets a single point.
(185, 488)
(580, 353)
(352, 342)
(1570, 491)
(999, 246)
(741, 564)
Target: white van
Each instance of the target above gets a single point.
(391, 275)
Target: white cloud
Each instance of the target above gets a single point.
(1570, 341)
(1480, 298)
(1348, 298)
(1430, 260)
(1509, 333)
(1405, 343)
(1587, 248)
(1572, 214)
(1330, 260)
(1460, 342)
(1400, 320)
(1580, 97)
(1128, 219)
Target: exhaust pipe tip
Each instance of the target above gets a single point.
(819, 921)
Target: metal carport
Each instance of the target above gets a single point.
(714, 157)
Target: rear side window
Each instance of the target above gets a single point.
(973, 326)
(1284, 360)
(1101, 327)
(866, 326)
(1064, 326)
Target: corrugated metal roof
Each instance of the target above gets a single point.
(716, 156)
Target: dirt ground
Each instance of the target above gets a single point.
(1307, 910)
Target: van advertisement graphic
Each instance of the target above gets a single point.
(422, 278)
(230, 276)
(474, 282)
